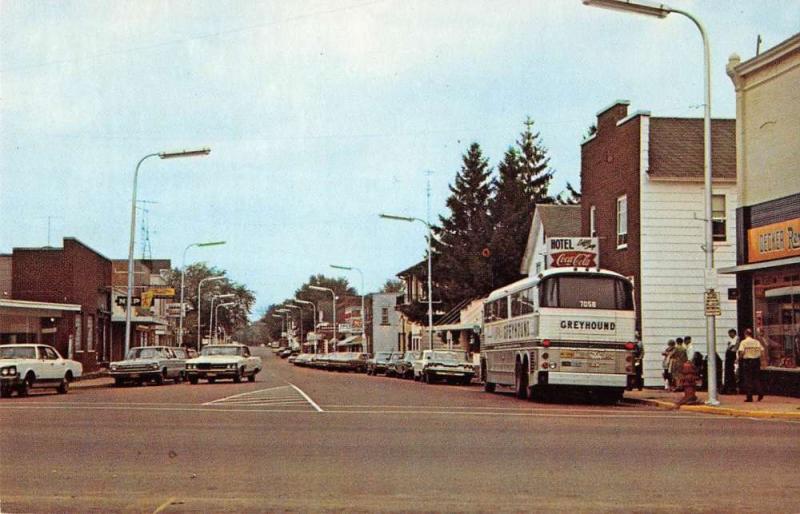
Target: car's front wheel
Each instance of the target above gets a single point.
(237, 378)
(63, 387)
(25, 386)
(252, 377)
(193, 380)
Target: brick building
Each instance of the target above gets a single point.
(74, 275)
(643, 198)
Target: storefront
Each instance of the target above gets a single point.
(768, 285)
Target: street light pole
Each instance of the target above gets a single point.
(301, 321)
(430, 286)
(282, 320)
(333, 294)
(211, 313)
(216, 316)
(162, 155)
(661, 11)
(183, 277)
(199, 302)
(363, 314)
(314, 314)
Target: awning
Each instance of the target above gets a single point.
(783, 291)
(454, 326)
(760, 265)
(350, 341)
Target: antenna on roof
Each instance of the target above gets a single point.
(758, 44)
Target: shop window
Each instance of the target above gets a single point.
(622, 222)
(776, 301)
(718, 217)
(78, 333)
(89, 333)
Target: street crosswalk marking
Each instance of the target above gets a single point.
(281, 396)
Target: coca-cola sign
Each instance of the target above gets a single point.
(572, 252)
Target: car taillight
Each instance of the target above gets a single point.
(546, 343)
(630, 346)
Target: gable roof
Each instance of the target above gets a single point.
(556, 221)
(676, 149)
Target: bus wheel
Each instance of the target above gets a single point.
(521, 382)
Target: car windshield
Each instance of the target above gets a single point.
(383, 356)
(17, 352)
(221, 350)
(146, 353)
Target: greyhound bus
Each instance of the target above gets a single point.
(564, 328)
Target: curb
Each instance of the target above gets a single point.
(720, 411)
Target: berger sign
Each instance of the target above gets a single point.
(571, 252)
(774, 241)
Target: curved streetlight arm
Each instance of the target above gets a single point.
(363, 314)
(199, 301)
(333, 294)
(183, 278)
(313, 310)
(227, 304)
(661, 11)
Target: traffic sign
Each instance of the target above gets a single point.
(712, 303)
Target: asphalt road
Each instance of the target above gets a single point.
(301, 440)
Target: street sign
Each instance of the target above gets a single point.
(174, 310)
(123, 300)
(712, 303)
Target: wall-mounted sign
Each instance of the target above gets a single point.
(775, 241)
(570, 252)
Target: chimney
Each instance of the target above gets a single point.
(608, 117)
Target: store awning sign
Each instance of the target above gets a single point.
(775, 241)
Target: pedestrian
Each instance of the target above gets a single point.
(700, 370)
(750, 354)
(676, 364)
(638, 362)
(729, 377)
(666, 363)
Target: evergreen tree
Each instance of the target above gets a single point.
(522, 182)
(569, 197)
(461, 266)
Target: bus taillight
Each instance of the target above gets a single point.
(630, 346)
(546, 343)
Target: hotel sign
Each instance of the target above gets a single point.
(775, 241)
(570, 252)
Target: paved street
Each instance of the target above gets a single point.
(301, 439)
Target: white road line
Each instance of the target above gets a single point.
(248, 393)
(307, 398)
(164, 505)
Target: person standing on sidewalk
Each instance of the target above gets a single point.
(666, 363)
(750, 354)
(676, 366)
(729, 382)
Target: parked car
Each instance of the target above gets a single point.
(286, 352)
(27, 366)
(378, 363)
(292, 358)
(391, 366)
(443, 364)
(303, 359)
(404, 367)
(148, 364)
(358, 362)
(223, 361)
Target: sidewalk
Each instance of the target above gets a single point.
(775, 407)
(91, 380)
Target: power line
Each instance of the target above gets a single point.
(210, 35)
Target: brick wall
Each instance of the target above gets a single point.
(609, 169)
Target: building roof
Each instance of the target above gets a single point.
(418, 269)
(561, 220)
(676, 149)
(556, 221)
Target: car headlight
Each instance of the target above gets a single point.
(113, 367)
(8, 371)
(154, 366)
(190, 366)
(231, 366)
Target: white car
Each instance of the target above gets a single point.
(149, 364)
(223, 361)
(27, 366)
(449, 365)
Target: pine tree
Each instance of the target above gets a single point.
(461, 266)
(522, 183)
(569, 197)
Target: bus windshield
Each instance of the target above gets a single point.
(586, 292)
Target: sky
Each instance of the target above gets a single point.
(319, 114)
